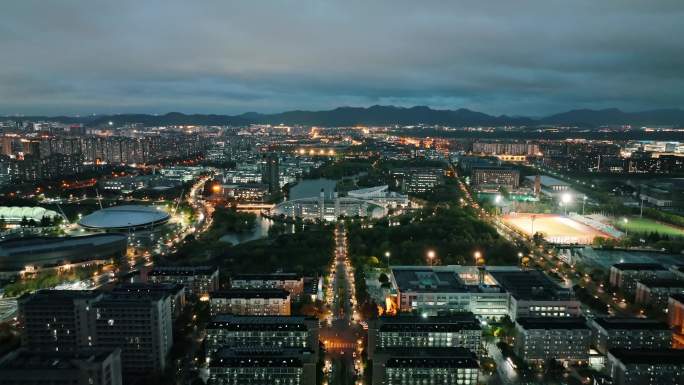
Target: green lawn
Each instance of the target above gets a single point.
(645, 225)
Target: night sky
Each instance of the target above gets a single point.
(521, 57)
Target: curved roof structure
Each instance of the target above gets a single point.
(125, 217)
(15, 213)
(369, 192)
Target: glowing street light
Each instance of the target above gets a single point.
(431, 256)
(387, 255)
(477, 256)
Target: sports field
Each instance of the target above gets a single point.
(554, 228)
(645, 225)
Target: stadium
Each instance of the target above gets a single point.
(125, 218)
(555, 228)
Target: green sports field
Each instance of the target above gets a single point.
(645, 225)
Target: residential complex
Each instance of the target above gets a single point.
(250, 302)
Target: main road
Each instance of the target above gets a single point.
(341, 335)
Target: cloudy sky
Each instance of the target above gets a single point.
(529, 57)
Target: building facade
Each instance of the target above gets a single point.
(646, 367)
(626, 275)
(250, 302)
(562, 339)
(418, 367)
(629, 333)
(85, 367)
(293, 283)
(263, 366)
(297, 332)
(404, 331)
(198, 280)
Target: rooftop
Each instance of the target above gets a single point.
(639, 266)
(427, 279)
(643, 356)
(28, 359)
(237, 322)
(147, 288)
(182, 270)
(623, 323)
(669, 283)
(125, 216)
(530, 285)
(59, 296)
(547, 323)
(678, 297)
(250, 293)
(46, 244)
(416, 324)
(266, 277)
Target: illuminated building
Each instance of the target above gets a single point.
(420, 366)
(259, 366)
(198, 280)
(563, 339)
(646, 367)
(227, 330)
(626, 275)
(293, 283)
(408, 331)
(250, 302)
(629, 333)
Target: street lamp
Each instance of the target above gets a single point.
(477, 256)
(566, 198)
(431, 256)
(387, 255)
(625, 221)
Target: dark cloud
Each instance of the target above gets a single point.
(498, 56)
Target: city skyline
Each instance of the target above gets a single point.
(534, 59)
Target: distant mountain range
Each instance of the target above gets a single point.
(390, 115)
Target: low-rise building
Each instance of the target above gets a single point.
(198, 280)
(293, 283)
(534, 294)
(246, 192)
(494, 178)
(85, 367)
(646, 367)
(227, 331)
(626, 275)
(408, 331)
(419, 179)
(250, 302)
(656, 292)
(436, 290)
(263, 366)
(629, 333)
(401, 366)
(563, 339)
